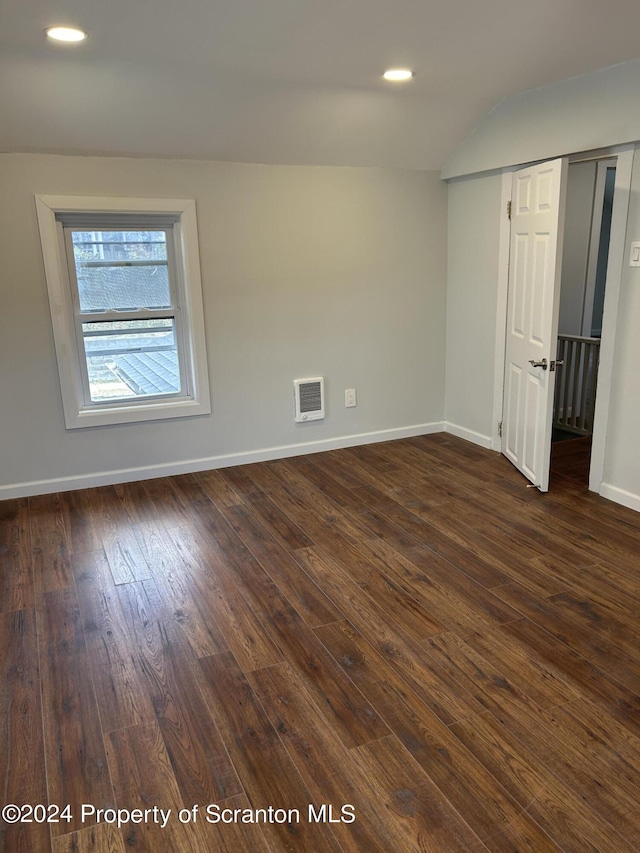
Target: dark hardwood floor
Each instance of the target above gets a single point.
(571, 458)
(403, 631)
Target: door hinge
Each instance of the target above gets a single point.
(499, 429)
(509, 210)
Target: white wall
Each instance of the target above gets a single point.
(472, 267)
(621, 480)
(581, 185)
(581, 114)
(306, 271)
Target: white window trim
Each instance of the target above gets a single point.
(60, 300)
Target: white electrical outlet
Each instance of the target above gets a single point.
(350, 398)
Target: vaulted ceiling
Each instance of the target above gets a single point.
(288, 81)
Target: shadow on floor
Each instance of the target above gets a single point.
(571, 456)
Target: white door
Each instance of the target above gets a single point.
(535, 260)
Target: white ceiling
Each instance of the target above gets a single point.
(288, 81)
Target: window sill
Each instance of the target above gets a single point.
(134, 413)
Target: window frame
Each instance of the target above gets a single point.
(173, 312)
(79, 410)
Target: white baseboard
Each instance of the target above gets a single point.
(620, 496)
(190, 466)
(469, 435)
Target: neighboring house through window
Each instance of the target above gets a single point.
(126, 305)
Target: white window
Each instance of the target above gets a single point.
(123, 277)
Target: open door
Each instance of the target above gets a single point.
(535, 260)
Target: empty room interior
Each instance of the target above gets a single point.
(319, 456)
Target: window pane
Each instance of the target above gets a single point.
(121, 270)
(130, 359)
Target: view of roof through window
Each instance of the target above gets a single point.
(126, 272)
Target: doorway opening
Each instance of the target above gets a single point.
(587, 231)
(624, 155)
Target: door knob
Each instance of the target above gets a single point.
(542, 364)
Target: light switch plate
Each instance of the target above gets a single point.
(634, 257)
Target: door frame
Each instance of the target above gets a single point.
(621, 197)
(594, 244)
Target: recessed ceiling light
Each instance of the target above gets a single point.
(65, 34)
(398, 74)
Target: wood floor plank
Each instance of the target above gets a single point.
(529, 675)
(490, 541)
(424, 531)
(103, 838)
(305, 505)
(600, 737)
(116, 531)
(270, 777)
(419, 491)
(49, 544)
(324, 763)
(135, 501)
(117, 678)
(390, 509)
(574, 807)
(16, 571)
(21, 743)
(571, 536)
(487, 683)
(74, 747)
(360, 778)
(141, 769)
(198, 757)
(14, 522)
(436, 530)
(574, 543)
(555, 743)
(584, 610)
(461, 604)
(593, 683)
(16, 582)
(167, 508)
(412, 524)
(221, 604)
(419, 815)
(218, 488)
(79, 509)
(478, 797)
(187, 604)
(290, 534)
(444, 696)
(91, 569)
(402, 527)
(578, 634)
(334, 692)
(125, 557)
(617, 591)
(592, 506)
(305, 596)
(235, 837)
(587, 527)
(341, 469)
(345, 708)
(356, 558)
(597, 754)
(107, 519)
(143, 778)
